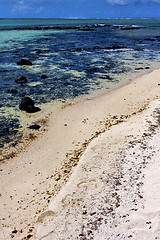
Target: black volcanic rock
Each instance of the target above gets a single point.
(27, 105)
(14, 91)
(21, 80)
(34, 127)
(150, 39)
(92, 69)
(44, 76)
(24, 62)
(39, 51)
(139, 68)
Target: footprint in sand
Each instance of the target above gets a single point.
(47, 214)
(71, 200)
(88, 183)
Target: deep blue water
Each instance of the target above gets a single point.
(79, 57)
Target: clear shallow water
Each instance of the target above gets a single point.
(80, 58)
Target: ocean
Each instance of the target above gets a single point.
(72, 59)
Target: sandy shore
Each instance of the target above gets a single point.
(91, 146)
(114, 191)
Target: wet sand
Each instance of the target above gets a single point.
(34, 195)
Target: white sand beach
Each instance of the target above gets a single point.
(111, 195)
(93, 174)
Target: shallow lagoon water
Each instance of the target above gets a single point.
(81, 58)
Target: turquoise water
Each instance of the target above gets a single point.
(81, 57)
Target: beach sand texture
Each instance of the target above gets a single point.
(111, 195)
(82, 178)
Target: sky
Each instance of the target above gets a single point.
(79, 8)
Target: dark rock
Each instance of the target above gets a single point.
(14, 91)
(150, 39)
(44, 76)
(27, 105)
(29, 236)
(158, 38)
(96, 48)
(39, 51)
(92, 69)
(140, 196)
(93, 213)
(22, 79)
(67, 84)
(24, 62)
(114, 47)
(84, 213)
(34, 127)
(78, 49)
(139, 68)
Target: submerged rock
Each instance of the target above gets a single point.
(44, 76)
(21, 79)
(39, 51)
(13, 91)
(27, 105)
(24, 62)
(66, 83)
(150, 39)
(92, 69)
(114, 47)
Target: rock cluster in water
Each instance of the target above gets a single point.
(27, 104)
